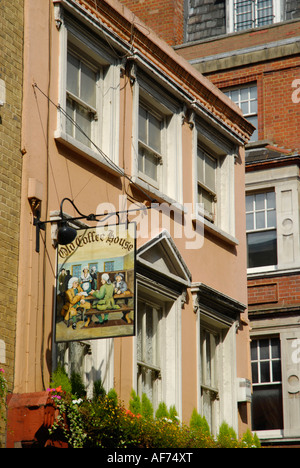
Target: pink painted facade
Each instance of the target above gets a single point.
(197, 278)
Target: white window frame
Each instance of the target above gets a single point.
(222, 222)
(168, 384)
(204, 186)
(144, 146)
(150, 368)
(277, 12)
(223, 391)
(269, 433)
(105, 131)
(209, 384)
(250, 114)
(266, 228)
(78, 101)
(169, 183)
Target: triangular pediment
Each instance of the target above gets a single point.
(161, 255)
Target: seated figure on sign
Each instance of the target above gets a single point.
(120, 286)
(75, 301)
(104, 298)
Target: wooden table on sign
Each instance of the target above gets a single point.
(125, 309)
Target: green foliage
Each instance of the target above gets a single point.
(173, 415)
(59, 378)
(135, 404)
(250, 440)
(147, 408)
(105, 423)
(112, 396)
(256, 441)
(98, 390)
(162, 411)
(199, 423)
(143, 407)
(78, 388)
(227, 437)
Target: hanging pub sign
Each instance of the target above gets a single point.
(95, 293)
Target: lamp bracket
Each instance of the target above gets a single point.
(41, 225)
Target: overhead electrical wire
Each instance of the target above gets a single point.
(107, 159)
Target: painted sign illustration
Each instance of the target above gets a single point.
(95, 293)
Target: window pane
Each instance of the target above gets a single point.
(243, 10)
(271, 200)
(208, 359)
(151, 162)
(88, 86)
(265, 372)
(264, 349)
(73, 75)
(70, 112)
(154, 133)
(139, 353)
(83, 119)
(264, 12)
(276, 371)
(245, 107)
(254, 367)
(249, 221)
(260, 201)
(142, 124)
(244, 94)
(262, 249)
(267, 411)
(260, 220)
(249, 202)
(254, 350)
(253, 107)
(207, 406)
(271, 218)
(207, 200)
(200, 164)
(253, 92)
(141, 160)
(234, 95)
(148, 357)
(253, 120)
(210, 174)
(275, 344)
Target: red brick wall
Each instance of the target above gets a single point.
(164, 17)
(276, 292)
(243, 40)
(278, 114)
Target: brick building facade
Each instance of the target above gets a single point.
(11, 70)
(259, 68)
(165, 17)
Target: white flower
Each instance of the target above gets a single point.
(77, 402)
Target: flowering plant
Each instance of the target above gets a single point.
(69, 418)
(3, 391)
(54, 393)
(104, 422)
